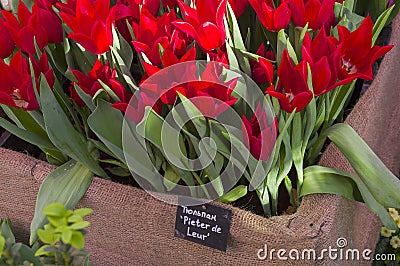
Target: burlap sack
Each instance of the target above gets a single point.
(130, 227)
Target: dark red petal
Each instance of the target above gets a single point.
(298, 12)
(99, 37)
(283, 100)
(282, 16)
(321, 75)
(268, 69)
(301, 100)
(311, 14)
(186, 28)
(6, 99)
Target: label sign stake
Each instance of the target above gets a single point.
(205, 224)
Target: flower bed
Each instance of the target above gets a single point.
(114, 90)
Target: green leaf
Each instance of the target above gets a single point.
(109, 91)
(377, 7)
(32, 129)
(79, 225)
(384, 185)
(74, 218)
(233, 195)
(6, 230)
(326, 180)
(63, 134)
(26, 135)
(238, 43)
(46, 237)
(296, 144)
(320, 180)
(171, 178)
(134, 145)
(86, 98)
(284, 165)
(67, 185)
(2, 244)
(380, 23)
(341, 97)
(77, 240)
(78, 58)
(350, 5)
(233, 62)
(119, 171)
(300, 34)
(26, 120)
(124, 51)
(66, 236)
(55, 209)
(289, 189)
(26, 254)
(87, 262)
(57, 221)
(83, 212)
(109, 133)
(281, 46)
(57, 55)
(42, 251)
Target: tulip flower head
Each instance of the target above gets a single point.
(91, 23)
(292, 92)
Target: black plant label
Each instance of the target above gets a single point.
(205, 224)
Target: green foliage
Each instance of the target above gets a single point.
(67, 185)
(61, 241)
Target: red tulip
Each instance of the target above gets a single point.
(129, 10)
(26, 29)
(238, 6)
(261, 72)
(356, 51)
(317, 13)
(16, 87)
(89, 83)
(136, 107)
(169, 59)
(42, 25)
(258, 136)
(205, 23)
(6, 42)
(292, 92)
(211, 96)
(151, 33)
(272, 19)
(220, 57)
(90, 24)
(51, 22)
(67, 7)
(179, 42)
(323, 55)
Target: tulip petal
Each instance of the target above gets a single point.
(205, 32)
(282, 16)
(321, 75)
(186, 28)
